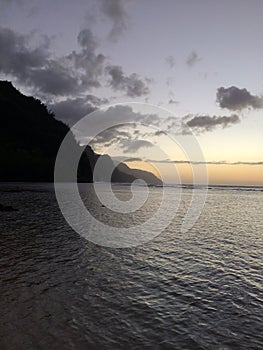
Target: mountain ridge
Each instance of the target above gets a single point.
(30, 137)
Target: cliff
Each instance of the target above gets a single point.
(120, 173)
(30, 137)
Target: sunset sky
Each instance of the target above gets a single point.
(198, 63)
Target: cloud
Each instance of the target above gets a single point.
(126, 127)
(133, 85)
(132, 146)
(87, 62)
(208, 123)
(69, 76)
(53, 79)
(234, 98)
(36, 68)
(17, 58)
(192, 59)
(172, 101)
(73, 109)
(170, 61)
(131, 159)
(115, 11)
(128, 131)
(87, 40)
(246, 163)
(112, 136)
(159, 133)
(170, 161)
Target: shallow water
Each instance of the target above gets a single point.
(199, 290)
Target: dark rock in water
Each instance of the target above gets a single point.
(7, 208)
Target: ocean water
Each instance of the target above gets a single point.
(197, 290)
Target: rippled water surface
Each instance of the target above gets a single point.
(198, 290)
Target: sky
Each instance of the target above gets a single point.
(188, 70)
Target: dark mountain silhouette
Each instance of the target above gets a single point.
(147, 176)
(120, 173)
(30, 137)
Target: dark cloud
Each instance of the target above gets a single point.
(132, 146)
(87, 40)
(36, 68)
(115, 11)
(223, 162)
(112, 136)
(169, 125)
(246, 163)
(159, 133)
(69, 76)
(53, 79)
(71, 110)
(133, 85)
(114, 115)
(192, 59)
(172, 101)
(17, 58)
(131, 136)
(208, 123)
(122, 133)
(88, 64)
(171, 161)
(152, 120)
(170, 61)
(234, 98)
(132, 159)
(96, 101)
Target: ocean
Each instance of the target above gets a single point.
(200, 289)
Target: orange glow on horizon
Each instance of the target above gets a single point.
(218, 174)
